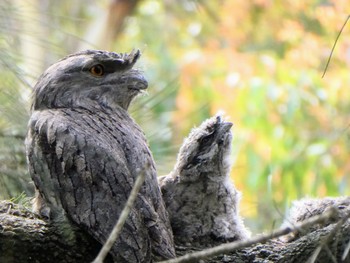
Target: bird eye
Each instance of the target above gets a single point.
(206, 139)
(97, 70)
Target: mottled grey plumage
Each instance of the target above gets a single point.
(85, 152)
(306, 208)
(200, 198)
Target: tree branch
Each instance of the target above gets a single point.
(24, 237)
(229, 247)
(21, 230)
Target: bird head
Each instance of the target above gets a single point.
(206, 151)
(89, 78)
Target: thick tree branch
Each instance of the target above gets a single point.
(22, 231)
(24, 237)
(229, 247)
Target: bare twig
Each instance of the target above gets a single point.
(15, 136)
(229, 247)
(122, 218)
(318, 250)
(326, 240)
(346, 251)
(335, 43)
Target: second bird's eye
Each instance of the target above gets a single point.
(97, 70)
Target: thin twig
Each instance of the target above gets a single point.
(229, 247)
(314, 255)
(317, 251)
(326, 240)
(346, 251)
(122, 218)
(335, 43)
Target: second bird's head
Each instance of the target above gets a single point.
(88, 78)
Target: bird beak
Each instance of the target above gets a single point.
(137, 82)
(226, 126)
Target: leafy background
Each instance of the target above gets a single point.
(260, 61)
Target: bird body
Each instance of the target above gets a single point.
(201, 200)
(85, 152)
(307, 208)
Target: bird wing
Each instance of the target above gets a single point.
(80, 173)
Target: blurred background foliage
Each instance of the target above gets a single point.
(260, 61)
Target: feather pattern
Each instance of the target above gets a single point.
(85, 151)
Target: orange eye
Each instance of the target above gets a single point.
(97, 70)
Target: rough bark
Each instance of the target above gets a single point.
(26, 238)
